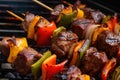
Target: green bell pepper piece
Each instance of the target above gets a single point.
(82, 50)
(66, 19)
(57, 31)
(106, 19)
(35, 68)
(116, 74)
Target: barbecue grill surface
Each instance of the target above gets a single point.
(10, 26)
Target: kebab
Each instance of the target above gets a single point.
(25, 59)
(33, 25)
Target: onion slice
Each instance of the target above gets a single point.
(90, 30)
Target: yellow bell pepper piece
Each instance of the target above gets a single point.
(80, 13)
(20, 44)
(31, 30)
(67, 10)
(97, 32)
(84, 77)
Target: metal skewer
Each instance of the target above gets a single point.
(43, 5)
(13, 14)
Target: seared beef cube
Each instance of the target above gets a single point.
(96, 15)
(63, 42)
(55, 13)
(25, 59)
(28, 18)
(79, 26)
(93, 61)
(4, 47)
(108, 42)
(68, 74)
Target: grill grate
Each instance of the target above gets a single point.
(10, 26)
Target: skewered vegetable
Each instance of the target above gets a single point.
(90, 26)
(106, 69)
(35, 68)
(16, 45)
(50, 68)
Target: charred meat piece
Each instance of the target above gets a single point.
(63, 42)
(96, 15)
(55, 13)
(28, 18)
(4, 47)
(79, 26)
(68, 74)
(108, 42)
(25, 59)
(93, 61)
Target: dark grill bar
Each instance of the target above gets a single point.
(10, 26)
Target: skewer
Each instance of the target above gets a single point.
(13, 14)
(43, 5)
(23, 14)
(65, 2)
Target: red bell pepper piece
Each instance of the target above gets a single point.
(111, 23)
(107, 68)
(50, 68)
(44, 34)
(118, 55)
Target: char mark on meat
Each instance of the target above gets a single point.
(25, 59)
(61, 45)
(4, 47)
(28, 18)
(108, 42)
(68, 74)
(93, 61)
(55, 13)
(96, 15)
(79, 26)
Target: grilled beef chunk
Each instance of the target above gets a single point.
(28, 18)
(4, 47)
(108, 42)
(55, 13)
(68, 74)
(25, 59)
(96, 15)
(93, 61)
(63, 42)
(79, 26)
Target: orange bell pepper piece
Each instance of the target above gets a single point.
(84, 77)
(97, 32)
(31, 30)
(75, 52)
(80, 13)
(110, 65)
